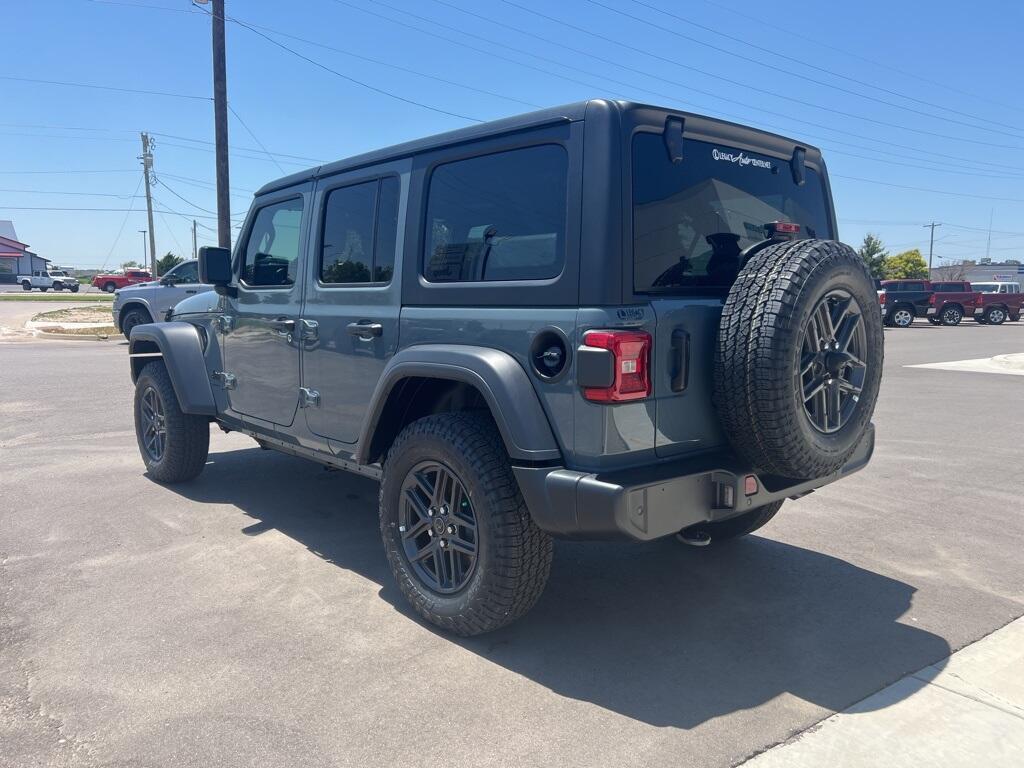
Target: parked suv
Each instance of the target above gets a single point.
(903, 300)
(601, 321)
(146, 302)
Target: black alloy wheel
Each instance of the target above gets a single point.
(438, 528)
(832, 369)
(154, 425)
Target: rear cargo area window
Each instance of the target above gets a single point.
(691, 219)
(497, 217)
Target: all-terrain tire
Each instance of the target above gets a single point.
(758, 369)
(513, 554)
(187, 442)
(741, 525)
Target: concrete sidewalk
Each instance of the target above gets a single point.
(966, 711)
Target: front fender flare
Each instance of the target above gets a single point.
(180, 346)
(502, 382)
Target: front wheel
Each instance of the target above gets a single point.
(902, 318)
(110, 287)
(459, 539)
(26, 286)
(74, 288)
(174, 445)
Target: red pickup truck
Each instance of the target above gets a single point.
(111, 283)
(999, 302)
(951, 302)
(988, 303)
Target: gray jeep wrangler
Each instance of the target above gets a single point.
(604, 320)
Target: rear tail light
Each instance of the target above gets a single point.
(631, 365)
(782, 228)
(931, 299)
(881, 298)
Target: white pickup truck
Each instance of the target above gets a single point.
(44, 280)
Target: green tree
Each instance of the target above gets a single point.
(909, 264)
(166, 263)
(874, 254)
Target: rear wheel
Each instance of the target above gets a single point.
(902, 317)
(174, 445)
(459, 539)
(952, 316)
(799, 358)
(995, 316)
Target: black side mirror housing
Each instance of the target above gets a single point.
(215, 267)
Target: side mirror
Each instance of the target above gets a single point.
(215, 267)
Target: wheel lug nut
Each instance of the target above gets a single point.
(430, 533)
(451, 529)
(442, 543)
(430, 512)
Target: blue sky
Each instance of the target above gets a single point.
(908, 100)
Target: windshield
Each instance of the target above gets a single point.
(692, 219)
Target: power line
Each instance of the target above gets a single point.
(811, 65)
(63, 192)
(124, 221)
(188, 202)
(924, 189)
(254, 138)
(105, 87)
(335, 72)
(706, 73)
(671, 97)
(791, 30)
(65, 170)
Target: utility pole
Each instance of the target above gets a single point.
(988, 243)
(147, 170)
(194, 251)
(931, 243)
(220, 120)
(144, 257)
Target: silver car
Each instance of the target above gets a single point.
(150, 302)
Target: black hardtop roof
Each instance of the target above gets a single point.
(564, 113)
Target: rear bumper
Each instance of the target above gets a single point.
(650, 502)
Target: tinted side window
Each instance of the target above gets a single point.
(359, 232)
(272, 251)
(498, 217)
(185, 273)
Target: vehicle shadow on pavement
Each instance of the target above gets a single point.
(658, 632)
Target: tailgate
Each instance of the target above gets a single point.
(682, 363)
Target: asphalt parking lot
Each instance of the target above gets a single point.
(249, 618)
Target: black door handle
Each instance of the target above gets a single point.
(365, 330)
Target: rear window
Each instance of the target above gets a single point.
(692, 219)
(498, 217)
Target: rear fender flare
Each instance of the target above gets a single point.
(501, 381)
(180, 346)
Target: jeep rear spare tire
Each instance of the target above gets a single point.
(799, 358)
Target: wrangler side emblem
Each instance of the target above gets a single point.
(630, 314)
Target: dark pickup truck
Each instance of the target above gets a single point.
(952, 301)
(903, 300)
